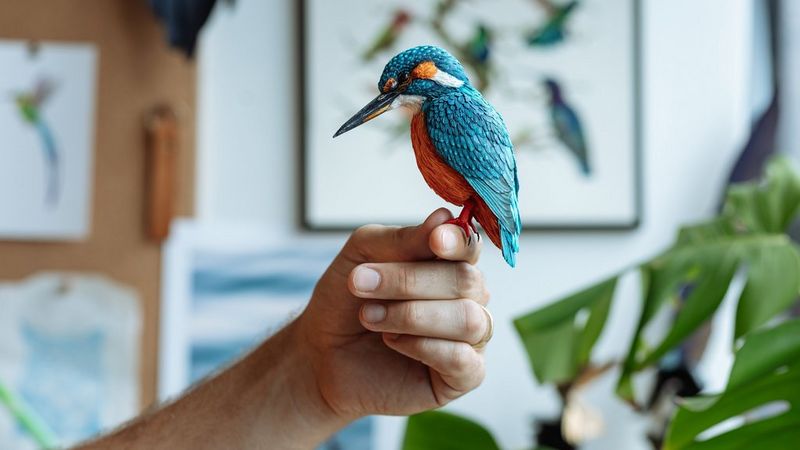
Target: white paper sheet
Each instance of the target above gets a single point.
(47, 100)
(69, 350)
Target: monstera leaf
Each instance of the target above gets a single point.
(762, 393)
(705, 270)
(559, 338)
(749, 235)
(438, 430)
(768, 207)
(691, 279)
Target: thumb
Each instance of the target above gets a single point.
(378, 243)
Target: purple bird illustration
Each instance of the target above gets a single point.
(29, 105)
(568, 126)
(460, 141)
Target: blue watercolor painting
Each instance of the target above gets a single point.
(239, 299)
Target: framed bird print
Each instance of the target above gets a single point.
(562, 74)
(47, 99)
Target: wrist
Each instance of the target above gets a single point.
(293, 405)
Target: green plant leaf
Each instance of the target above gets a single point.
(768, 206)
(659, 283)
(716, 269)
(773, 281)
(771, 286)
(692, 278)
(765, 370)
(764, 352)
(438, 430)
(558, 345)
(782, 432)
(705, 232)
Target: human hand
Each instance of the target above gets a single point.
(392, 330)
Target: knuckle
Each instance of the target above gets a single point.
(411, 314)
(474, 320)
(479, 373)
(362, 233)
(406, 280)
(462, 358)
(420, 345)
(469, 279)
(486, 296)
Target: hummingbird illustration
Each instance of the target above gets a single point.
(388, 35)
(552, 31)
(460, 141)
(29, 104)
(476, 53)
(479, 47)
(567, 125)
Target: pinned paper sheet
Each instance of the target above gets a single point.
(69, 352)
(47, 99)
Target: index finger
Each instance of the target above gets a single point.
(448, 241)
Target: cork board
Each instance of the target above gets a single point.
(136, 71)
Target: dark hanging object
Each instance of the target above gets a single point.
(184, 19)
(549, 436)
(761, 143)
(759, 148)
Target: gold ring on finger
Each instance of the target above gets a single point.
(489, 330)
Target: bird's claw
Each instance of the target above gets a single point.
(473, 230)
(469, 229)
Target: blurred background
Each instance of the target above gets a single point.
(169, 191)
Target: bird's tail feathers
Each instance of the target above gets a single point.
(504, 239)
(510, 246)
(586, 170)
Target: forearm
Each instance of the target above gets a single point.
(269, 399)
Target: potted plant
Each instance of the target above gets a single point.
(748, 242)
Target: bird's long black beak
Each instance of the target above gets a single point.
(375, 108)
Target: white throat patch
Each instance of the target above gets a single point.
(445, 79)
(410, 102)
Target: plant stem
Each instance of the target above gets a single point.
(27, 419)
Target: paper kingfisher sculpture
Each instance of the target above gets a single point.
(460, 141)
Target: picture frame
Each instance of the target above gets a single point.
(367, 177)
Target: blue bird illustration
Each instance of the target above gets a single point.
(552, 31)
(461, 143)
(568, 126)
(29, 105)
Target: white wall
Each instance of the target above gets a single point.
(695, 109)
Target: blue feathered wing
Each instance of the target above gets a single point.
(472, 138)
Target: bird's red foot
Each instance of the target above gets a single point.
(464, 221)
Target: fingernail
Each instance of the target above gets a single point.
(374, 313)
(366, 279)
(449, 240)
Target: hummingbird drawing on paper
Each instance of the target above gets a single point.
(461, 143)
(29, 105)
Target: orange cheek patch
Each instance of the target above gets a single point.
(425, 70)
